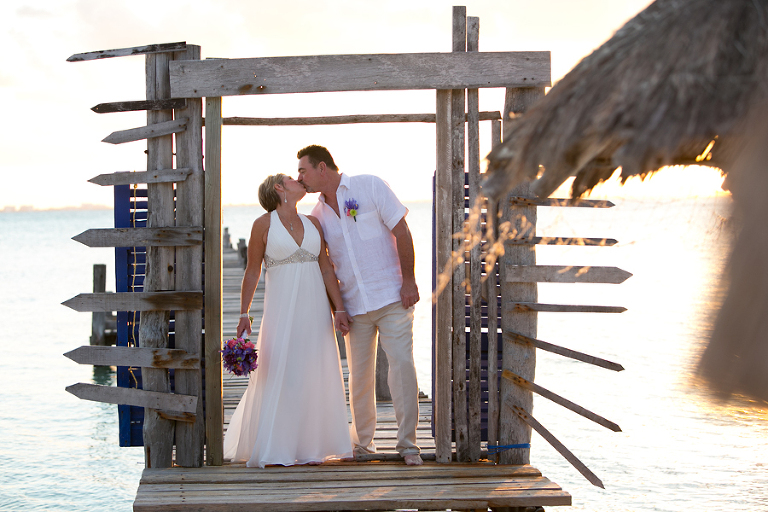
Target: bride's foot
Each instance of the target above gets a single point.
(413, 459)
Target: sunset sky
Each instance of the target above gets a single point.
(51, 140)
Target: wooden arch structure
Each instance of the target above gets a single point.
(184, 222)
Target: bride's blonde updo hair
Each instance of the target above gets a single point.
(268, 196)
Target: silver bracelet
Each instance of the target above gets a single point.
(340, 311)
(244, 315)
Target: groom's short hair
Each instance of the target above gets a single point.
(317, 154)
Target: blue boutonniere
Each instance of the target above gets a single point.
(350, 208)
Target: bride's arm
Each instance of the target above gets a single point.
(341, 317)
(256, 247)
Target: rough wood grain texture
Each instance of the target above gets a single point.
(565, 274)
(123, 52)
(352, 119)
(153, 326)
(99, 318)
(459, 340)
(557, 240)
(519, 307)
(150, 131)
(577, 203)
(519, 358)
(532, 386)
(134, 356)
(130, 178)
(492, 298)
(135, 301)
(190, 436)
(514, 337)
(325, 73)
(214, 413)
(142, 237)
(557, 445)
(130, 106)
(443, 308)
(131, 396)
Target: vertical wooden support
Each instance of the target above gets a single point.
(442, 401)
(214, 410)
(153, 329)
(518, 357)
(475, 264)
(99, 318)
(190, 437)
(457, 175)
(492, 293)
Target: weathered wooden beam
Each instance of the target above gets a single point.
(492, 296)
(565, 274)
(515, 337)
(124, 52)
(131, 178)
(557, 445)
(532, 386)
(131, 396)
(325, 73)
(130, 106)
(136, 301)
(352, 119)
(579, 203)
(559, 240)
(141, 237)
(562, 308)
(147, 132)
(134, 356)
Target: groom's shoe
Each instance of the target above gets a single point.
(413, 459)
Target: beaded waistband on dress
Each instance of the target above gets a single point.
(300, 256)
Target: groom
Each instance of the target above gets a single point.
(372, 251)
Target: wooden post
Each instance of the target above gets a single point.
(99, 318)
(459, 341)
(492, 294)
(518, 358)
(153, 329)
(214, 333)
(190, 437)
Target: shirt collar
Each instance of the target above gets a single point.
(345, 180)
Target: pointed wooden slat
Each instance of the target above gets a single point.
(531, 386)
(131, 396)
(563, 308)
(135, 301)
(131, 178)
(141, 237)
(557, 240)
(351, 119)
(134, 356)
(578, 203)
(557, 445)
(557, 349)
(147, 132)
(124, 52)
(565, 274)
(130, 106)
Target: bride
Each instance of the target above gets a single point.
(294, 410)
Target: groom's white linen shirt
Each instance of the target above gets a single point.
(363, 249)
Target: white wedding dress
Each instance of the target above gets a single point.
(294, 410)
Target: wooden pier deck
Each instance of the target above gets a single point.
(385, 484)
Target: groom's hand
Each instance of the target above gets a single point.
(409, 293)
(342, 321)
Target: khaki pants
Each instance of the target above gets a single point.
(394, 325)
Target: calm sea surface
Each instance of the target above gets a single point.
(679, 448)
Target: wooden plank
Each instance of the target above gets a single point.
(147, 132)
(123, 52)
(577, 203)
(351, 119)
(130, 106)
(492, 295)
(558, 240)
(562, 308)
(130, 178)
(459, 341)
(99, 318)
(214, 413)
(325, 73)
(136, 301)
(565, 274)
(132, 396)
(557, 445)
(134, 356)
(515, 337)
(141, 237)
(532, 386)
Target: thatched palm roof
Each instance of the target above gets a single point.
(675, 77)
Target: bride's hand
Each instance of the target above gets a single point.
(342, 321)
(243, 328)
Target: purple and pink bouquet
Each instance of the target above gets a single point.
(239, 356)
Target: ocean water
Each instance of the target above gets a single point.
(680, 448)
